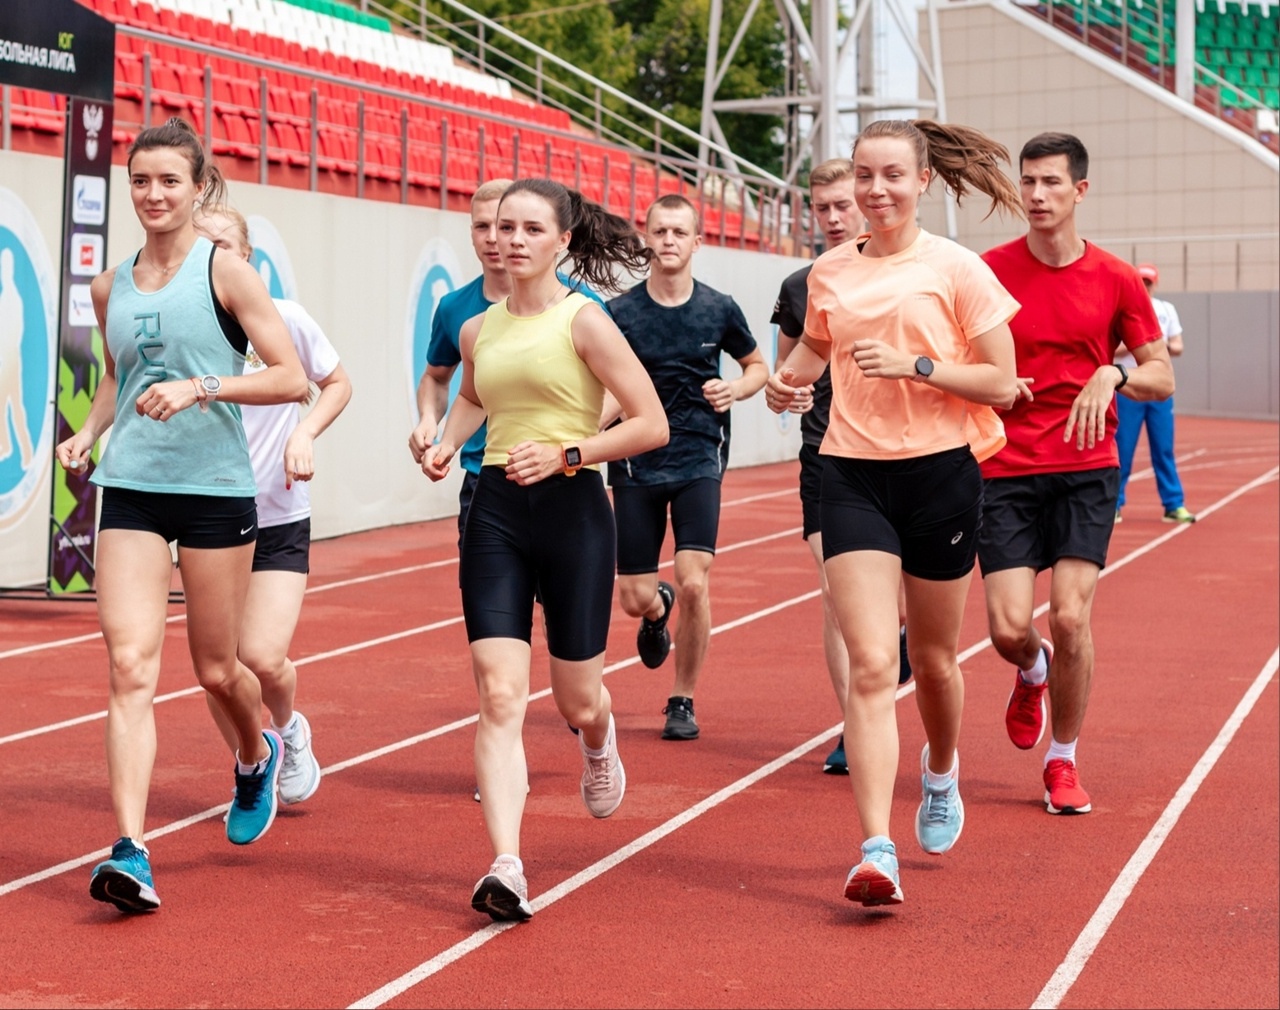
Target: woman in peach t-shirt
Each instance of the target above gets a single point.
(916, 330)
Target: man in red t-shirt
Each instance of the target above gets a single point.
(1050, 494)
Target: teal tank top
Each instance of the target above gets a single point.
(160, 336)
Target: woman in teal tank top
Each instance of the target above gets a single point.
(174, 318)
(537, 365)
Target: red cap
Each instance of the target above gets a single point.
(1148, 272)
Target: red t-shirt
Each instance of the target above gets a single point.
(1071, 321)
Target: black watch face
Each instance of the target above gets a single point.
(924, 366)
(573, 457)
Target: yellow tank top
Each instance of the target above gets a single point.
(531, 381)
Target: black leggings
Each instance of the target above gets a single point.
(556, 537)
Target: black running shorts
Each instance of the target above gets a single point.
(641, 511)
(811, 467)
(208, 522)
(284, 548)
(926, 510)
(1033, 521)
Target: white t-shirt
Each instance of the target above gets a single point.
(268, 428)
(1170, 326)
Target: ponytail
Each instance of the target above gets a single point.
(963, 157)
(599, 243)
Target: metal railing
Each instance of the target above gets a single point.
(1183, 256)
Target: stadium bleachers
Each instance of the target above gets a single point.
(290, 93)
(1237, 59)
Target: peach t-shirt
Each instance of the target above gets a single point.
(930, 299)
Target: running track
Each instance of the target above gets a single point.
(718, 882)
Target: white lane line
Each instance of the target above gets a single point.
(761, 497)
(204, 815)
(188, 692)
(1096, 928)
(1150, 471)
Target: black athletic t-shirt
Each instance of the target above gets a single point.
(788, 314)
(680, 348)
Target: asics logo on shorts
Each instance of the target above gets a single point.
(956, 539)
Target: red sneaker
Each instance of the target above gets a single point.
(1062, 792)
(1024, 718)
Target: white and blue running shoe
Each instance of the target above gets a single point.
(940, 817)
(874, 881)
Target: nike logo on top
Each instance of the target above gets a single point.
(248, 528)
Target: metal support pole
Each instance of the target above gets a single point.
(940, 97)
(146, 90)
(1184, 42)
(444, 162)
(631, 208)
(208, 107)
(599, 115)
(537, 77)
(515, 155)
(577, 169)
(724, 210)
(604, 191)
(264, 130)
(546, 158)
(314, 180)
(360, 149)
(480, 39)
(714, 18)
(480, 149)
(404, 154)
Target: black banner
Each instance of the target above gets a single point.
(80, 356)
(58, 46)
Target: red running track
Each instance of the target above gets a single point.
(718, 882)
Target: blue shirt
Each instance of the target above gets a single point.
(443, 350)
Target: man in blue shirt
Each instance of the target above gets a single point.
(678, 328)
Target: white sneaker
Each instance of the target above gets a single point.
(299, 771)
(503, 894)
(603, 779)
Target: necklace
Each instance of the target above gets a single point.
(545, 305)
(164, 271)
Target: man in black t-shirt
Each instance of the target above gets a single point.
(678, 328)
(831, 200)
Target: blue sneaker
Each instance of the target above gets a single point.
(124, 880)
(836, 763)
(874, 881)
(254, 806)
(941, 815)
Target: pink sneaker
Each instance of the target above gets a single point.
(1024, 718)
(1062, 792)
(503, 893)
(603, 779)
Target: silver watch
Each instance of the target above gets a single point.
(212, 386)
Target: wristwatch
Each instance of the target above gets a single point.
(924, 368)
(1124, 375)
(572, 456)
(212, 386)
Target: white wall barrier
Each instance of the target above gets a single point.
(371, 274)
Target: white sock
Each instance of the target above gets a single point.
(1039, 671)
(506, 857)
(938, 781)
(1061, 751)
(599, 752)
(290, 727)
(245, 769)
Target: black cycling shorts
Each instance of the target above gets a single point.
(641, 511)
(284, 548)
(556, 537)
(811, 467)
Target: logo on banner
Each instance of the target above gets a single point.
(80, 306)
(434, 276)
(28, 324)
(89, 199)
(93, 119)
(271, 259)
(86, 254)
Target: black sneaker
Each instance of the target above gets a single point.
(836, 763)
(681, 725)
(653, 640)
(904, 664)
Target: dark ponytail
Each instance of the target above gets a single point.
(179, 134)
(600, 242)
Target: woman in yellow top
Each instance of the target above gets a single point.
(538, 364)
(916, 330)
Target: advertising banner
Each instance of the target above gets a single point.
(84, 241)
